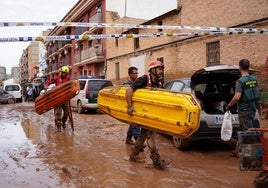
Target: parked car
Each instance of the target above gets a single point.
(213, 87)
(6, 98)
(87, 97)
(15, 90)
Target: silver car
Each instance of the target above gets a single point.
(15, 90)
(213, 87)
(6, 98)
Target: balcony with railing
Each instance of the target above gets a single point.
(54, 66)
(52, 49)
(91, 55)
(96, 18)
(61, 44)
(80, 30)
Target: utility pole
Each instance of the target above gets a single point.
(125, 8)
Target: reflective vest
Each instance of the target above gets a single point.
(150, 84)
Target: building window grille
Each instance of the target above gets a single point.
(117, 75)
(136, 42)
(116, 42)
(160, 23)
(213, 53)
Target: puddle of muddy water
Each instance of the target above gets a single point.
(11, 135)
(19, 165)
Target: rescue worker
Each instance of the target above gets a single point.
(59, 119)
(154, 80)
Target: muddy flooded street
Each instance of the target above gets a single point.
(94, 155)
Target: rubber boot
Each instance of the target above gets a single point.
(158, 163)
(235, 151)
(63, 124)
(129, 140)
(58, 127)
(134, 156)
(64, 119)
(136, 138)
(261, 180)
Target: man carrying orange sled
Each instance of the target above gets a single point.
(59, 119)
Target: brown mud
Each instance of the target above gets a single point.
(34, 155)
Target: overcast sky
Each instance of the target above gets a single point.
(54, 11)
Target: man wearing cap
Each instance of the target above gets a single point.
(61, 78)
(154, 80)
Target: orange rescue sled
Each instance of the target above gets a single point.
(173, 113)
(56, 96)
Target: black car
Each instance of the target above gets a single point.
(213, 87)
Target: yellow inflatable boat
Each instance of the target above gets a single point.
(164, 111)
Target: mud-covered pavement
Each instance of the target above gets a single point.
(34, 155)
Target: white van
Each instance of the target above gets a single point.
(15, 90)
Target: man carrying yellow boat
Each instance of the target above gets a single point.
(155, 80)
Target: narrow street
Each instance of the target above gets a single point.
(34, 155)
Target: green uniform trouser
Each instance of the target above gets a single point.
(246, 120)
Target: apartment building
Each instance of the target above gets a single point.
(3, 73)
(15, 74)
(24, 70)
(84, 57)
(182, 55)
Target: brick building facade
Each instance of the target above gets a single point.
(184, 55)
